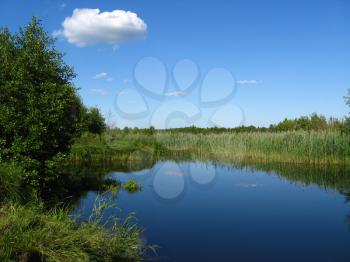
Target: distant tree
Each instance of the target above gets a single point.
(318, 122)
(150, 131)
(93, 121)
(347, 119)
(40, 111)
(285, 125)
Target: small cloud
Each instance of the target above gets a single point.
(91, 26)
(100, 91)
(109, 79)
(248, 82)
(127, 81)
(63, 5)
(102, 75)
(175, 94)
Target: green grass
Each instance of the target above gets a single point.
(318, 147)
(285, 147)
(29, 231)
(34, 231)
(12, 187)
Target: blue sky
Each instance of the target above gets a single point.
(287, 58)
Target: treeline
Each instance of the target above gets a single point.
(314, 122)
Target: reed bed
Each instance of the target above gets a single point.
(317, 147)
(322, 147)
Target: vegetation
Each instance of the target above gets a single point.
(31, 233)
(319, 147)
(132, 186)
(40, 110)
(40, 115)
(93, 121)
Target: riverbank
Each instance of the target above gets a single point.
(313, 147)
(41, 228)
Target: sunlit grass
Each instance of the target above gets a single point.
(30, 231)
(322, 147)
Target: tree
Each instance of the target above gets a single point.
(40, 111)
(347, 119)
(93, 121)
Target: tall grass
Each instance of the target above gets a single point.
(31, 233)
(321, 147)
(315, 147)
(12, 187)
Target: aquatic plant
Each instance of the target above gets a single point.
(132, 186)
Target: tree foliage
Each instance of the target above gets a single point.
(40, 111)
(93, 121)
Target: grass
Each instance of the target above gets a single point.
(31, 232)
(317, 147)
(34, 231)
(289, 147)
(12, 187)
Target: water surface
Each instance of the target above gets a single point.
(198, 211)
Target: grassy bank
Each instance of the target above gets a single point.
(33, 228)
(31, 233)
(316, 147)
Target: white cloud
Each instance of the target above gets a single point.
(247, 82)
(109, 79)
(91, 26)
(102, 75)
(176, 93)
(63, 5)
(100, 91)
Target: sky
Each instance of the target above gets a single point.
(207, 63)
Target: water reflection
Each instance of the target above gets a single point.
(210, 211)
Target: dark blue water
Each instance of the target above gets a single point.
(204, 212)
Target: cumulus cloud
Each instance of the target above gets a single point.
(247, 82)
(176, 93)
(100, 91)
(91, 26)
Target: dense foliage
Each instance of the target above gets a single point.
(93, 121)
(40, 110)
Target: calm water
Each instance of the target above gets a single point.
(204, 212)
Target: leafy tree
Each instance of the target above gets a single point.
(40, 111)
(93, 121)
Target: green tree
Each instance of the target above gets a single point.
(93, 121)
(347, 119)
(40, 111)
